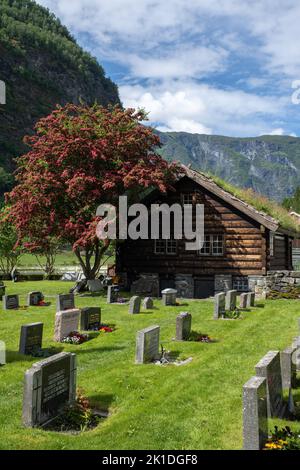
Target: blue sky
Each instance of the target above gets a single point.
(202, 66)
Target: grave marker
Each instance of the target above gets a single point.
(65, 322)
(135, 305)
(231, 300)
(255, 416)
(90, 319)
(34, 299)
(2, 353)
(65, 302)
(49, 386)
(95, 285)
(31, 338)
(169, 297)
(10, 302)
(112, 294)
(288, 368)
(243, 300)
(219, 308)
(183, 326)
(147, 303)
(269, 368)
(2, 290)
(251, 299)
(147, 345)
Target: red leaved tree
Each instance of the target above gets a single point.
(81, 157)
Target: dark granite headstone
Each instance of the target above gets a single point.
(183, 326)
(147, 345)
(34, 298)
(31, 338)
(255, 416)
(65, 302)
(10, 302)
(49, 386)
(147, 303)
(112, 294)
(269, 368)
(90, 318)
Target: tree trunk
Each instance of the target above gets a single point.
(90, 271)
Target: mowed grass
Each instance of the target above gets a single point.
(63, 258)
(196, 406)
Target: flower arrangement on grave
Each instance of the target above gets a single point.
(121, 300)
(283, 439)
(107, 328)
(201, 338)
(42, 303)
(75, 338)
(232, 314)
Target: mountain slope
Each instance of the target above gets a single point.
(268, 164)
(42, 66)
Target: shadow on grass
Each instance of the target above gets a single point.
(99, 350)
(101, 401)
(259, 306)
(15, 356)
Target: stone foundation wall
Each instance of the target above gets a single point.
(184, 284)
(147, 284)
(280, 281)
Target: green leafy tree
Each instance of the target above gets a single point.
(9, 252)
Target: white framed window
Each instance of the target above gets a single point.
(240, 283)
(213, 245)
(187, 199)
(168, 247)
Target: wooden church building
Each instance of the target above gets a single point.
(241, 245)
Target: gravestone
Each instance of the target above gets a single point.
(250, 299)
(169, 297)
(2, 290)
(135, 304)
(95, 285)
(243, 300)
(147, 345)
(49, 386)
(296, 355)
(31, 338)
(183, 326)
(112, 294)
(230, 303)
(269, 368)
(288, 368)
(147, 303)
(34, 299)
(219, 308)
(90, 319)
(65, 302)
(10, 302)
(2, 353)
(255, 415)
(65, 322)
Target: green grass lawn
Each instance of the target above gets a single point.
(63, 258)
(196, 406)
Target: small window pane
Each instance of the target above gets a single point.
(241, 284)
(187, 199)
(205, 250)
(217, 244)
(171, 247)
(160, 247)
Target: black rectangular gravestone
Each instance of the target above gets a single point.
(34, 299)
(255, 416)
(288, 368)
(49, 386)
(112, 294)
(65, 302)
(90, 319)
(10, 302)
(269, 368)
(147, 345)
(31, 338)
(183, 326)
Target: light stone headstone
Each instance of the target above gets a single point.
(288, 368)
(31, 338)
(34, 298)
(10, 302)
(147, 303)
(90, 319)
(2, 353)
(147, 345)
(230, 303)
(135, 304)
(112, 294)
(243, 300)
(269, 368)
(255, 415)
(95, 285)
(169, 297)
(296, 355)
(183, 326)
(65, 323)
(219, 307)
(49, 386)
(65, 302)
(251, 299)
